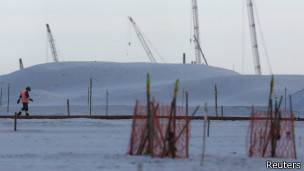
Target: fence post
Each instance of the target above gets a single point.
(68, 106)
(8, 97)
(187, 102)
(293, 133)
(150, 127)
(15, 122)
(285, 100)
(187, 121)
(88, 100)
(290, 104)
(222, 112)
(208, 128)
(90, 97)
(204, 137)
(1, 93)
(208, 123)
(107, 103)
(215, 100)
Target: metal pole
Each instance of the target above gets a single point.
(107, 103)
(183, 97)
(293, 133)
(8, 97)
(215, 98)
(208, 128)
(290, 104)
(188, 120)
(204, 138)
(15, 122)
(187, 102)
(88, 96)
(285, 100)
(91, 85)
(1, 93)
(222, 111)
(68, 107)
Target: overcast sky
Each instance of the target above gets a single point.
(89, 30)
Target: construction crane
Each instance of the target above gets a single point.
(198, 59)
(200, 50)
(143, 41)
(52, 43)
(253, 36)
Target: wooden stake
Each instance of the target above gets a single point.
(204, 138)
(293, 132)
(206, 111)
(290, 104)
(187, 103)
(215, 98)
(107, 103)
(208, 128)
(222, 111)
(8, 98)
(1, 93)
(68, 107)
(15, 122)
(132, 143)
(150, 128)
(285, 100)
(187, 128)
(90, 98)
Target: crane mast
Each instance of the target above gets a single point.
(253, 36)
(200, 50)
(52, 43)
(198, 59)
(143, 41)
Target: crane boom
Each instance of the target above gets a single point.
(198, 59)
(52, 43)
(253, 36)
(143, 41)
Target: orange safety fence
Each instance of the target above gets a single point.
(170, 132)
(271, 137)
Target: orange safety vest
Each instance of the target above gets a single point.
(24, 99)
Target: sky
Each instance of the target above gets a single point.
(98, 30)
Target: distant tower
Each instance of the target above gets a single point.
(52, 43)
(21, 64)
(253, 36)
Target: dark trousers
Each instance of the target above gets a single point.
(24, 108)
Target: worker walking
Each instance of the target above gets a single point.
(25, 99)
